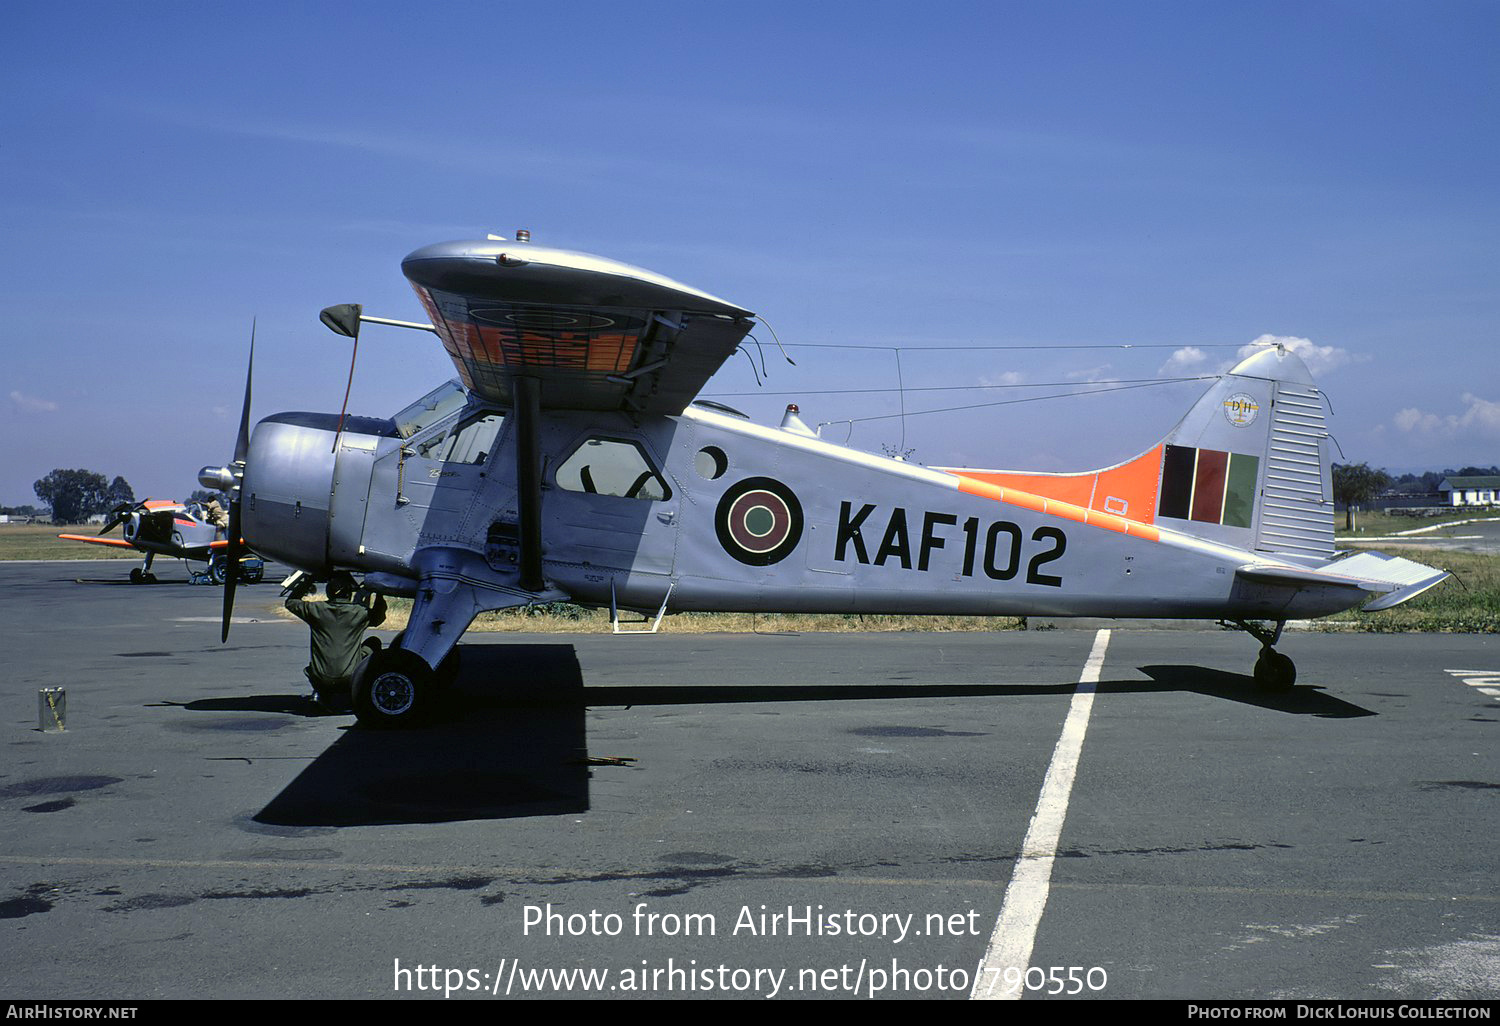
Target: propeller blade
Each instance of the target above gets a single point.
(236, 547)
(242, 441)
(118, 516)
(232, 554)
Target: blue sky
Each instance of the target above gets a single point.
(1182, 176)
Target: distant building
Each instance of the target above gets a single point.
(1471, 491)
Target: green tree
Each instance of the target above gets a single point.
(1356, 483)
(74, 495)
(120, 492)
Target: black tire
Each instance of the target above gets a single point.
(393, 688)
(1275, 671)
(448, 669)
(216, 568)
(137, 575)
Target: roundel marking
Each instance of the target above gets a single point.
(759, 521)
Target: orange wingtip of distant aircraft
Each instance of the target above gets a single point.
(118, 543)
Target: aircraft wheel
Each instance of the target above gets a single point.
(137, 576)
(393, 688)
(216, 568)
(1274, 670)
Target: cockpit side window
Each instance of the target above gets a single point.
(446, 399)
(470, 441)
(612, 466)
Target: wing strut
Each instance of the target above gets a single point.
(528, 410)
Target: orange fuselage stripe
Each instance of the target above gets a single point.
(1056, 507)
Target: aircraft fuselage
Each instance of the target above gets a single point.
(730, 515)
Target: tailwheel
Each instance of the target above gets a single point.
(393, 688)
(1274, 670)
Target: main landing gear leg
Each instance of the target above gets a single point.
(401, 686)
(1272, 669)
(143, 574)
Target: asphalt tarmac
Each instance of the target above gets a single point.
(751, 816)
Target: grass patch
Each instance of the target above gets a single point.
(41, 541)
(566, 618)
(1465, 604)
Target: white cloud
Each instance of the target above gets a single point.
(1480, 418)
(1099, 373)
(1187, 360)
(1008, 378)
(1319, 359)
(31, 404)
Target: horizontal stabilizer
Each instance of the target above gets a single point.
(1394, 578)
(1405, 578)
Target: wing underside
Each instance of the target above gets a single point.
(596, 335)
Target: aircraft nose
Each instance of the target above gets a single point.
(286, 489)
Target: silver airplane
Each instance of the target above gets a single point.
(178, 530)
(569, 461)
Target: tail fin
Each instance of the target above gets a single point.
(1252, 456)
(1248, 466)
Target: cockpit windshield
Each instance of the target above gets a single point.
(431, 408)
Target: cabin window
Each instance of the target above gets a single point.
(470, 441)
(612, 466)
(710, 462)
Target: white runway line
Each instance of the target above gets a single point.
(1026, 897)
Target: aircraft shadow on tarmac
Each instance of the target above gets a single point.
(513, 741)
(1303, 700)
(158, 583)
(511, 744)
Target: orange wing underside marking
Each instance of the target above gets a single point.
(471, 344)
(1119, 499)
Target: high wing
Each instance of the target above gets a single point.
(596, 334)
(119, 543)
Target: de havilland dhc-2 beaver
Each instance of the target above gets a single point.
(570, 462)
